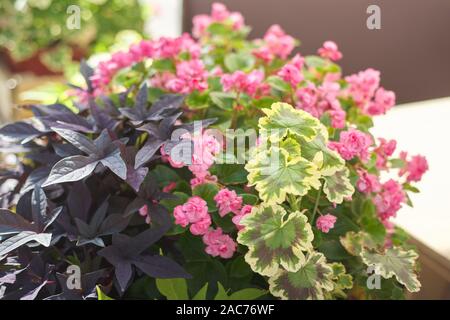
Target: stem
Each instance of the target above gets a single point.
(316, 205)
(293, 202)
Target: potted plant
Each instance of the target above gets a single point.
(222, 167)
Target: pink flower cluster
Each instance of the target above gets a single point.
(190, 76)
(389, 200)
(240, 81)
(219, 244)
(228, 201)
(321, 99)
(364, 86)
(205, 148)
(414, 168)
(219, 14)
(367, 183)
(238, 217)
(163, 48)
(276, 44)
(292, 72)
(353, 143)
(330, 51)
(195, 213)
(326, 222)
(384, 150)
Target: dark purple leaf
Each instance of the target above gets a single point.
(79, 201)
(19, 132)
(22, 238)
(78, 140)
(11, 223)
(72, 168)
(147, 152)
(160, 267)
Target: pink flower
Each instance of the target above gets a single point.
(278, 42)
(362, 86)
(389, 200)
(242, 82)
(200, 25)
(415, 168)
(326, 222)
(219, 12)
(330, 51)
(167, 158)
(206, 179)
(384, 100)
(219, 244)
(291, 74)
(191, 76)
(367, 183)
(384, 151)
(353, 143)
(238, 217)
(338, 116)
(228, 201)
(194, 212)
(237, 20)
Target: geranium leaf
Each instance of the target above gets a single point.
(275, 176)
(317, 151)
(275, 239)
(308, 283)
(282, 119)
(337, 186)
(355, 242)
(395, 262)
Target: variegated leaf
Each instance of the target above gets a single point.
(337, 186)
(274, 239)
(310, 282)
(395, 262)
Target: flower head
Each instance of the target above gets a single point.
(326, 222)
(228, 201)
(219, 244)
(330, 51)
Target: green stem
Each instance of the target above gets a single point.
(293, 202)
(316, 205)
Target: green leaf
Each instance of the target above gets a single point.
(275, 176)
(223, 100)
(221, 292)
(395, 262)
(201, 294)
(314, 61)
(197, 100)
(101, 295)
(230, 173)
(218, 29)
(279, 84)
(207, 192)
(247, 294)
(163, 65)
(308, 283)
(275, 239)
(317, 151)
(338, 186)
(282, 119)
(355, 242)
(248, 198)
(173, 289)
(239, 61)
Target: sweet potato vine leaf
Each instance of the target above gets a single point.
(274, 175)
(282, 119)
(275, 239)
(312, 279)
(395, 262)
(24, 231)
(126, 252)
(102, 150)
